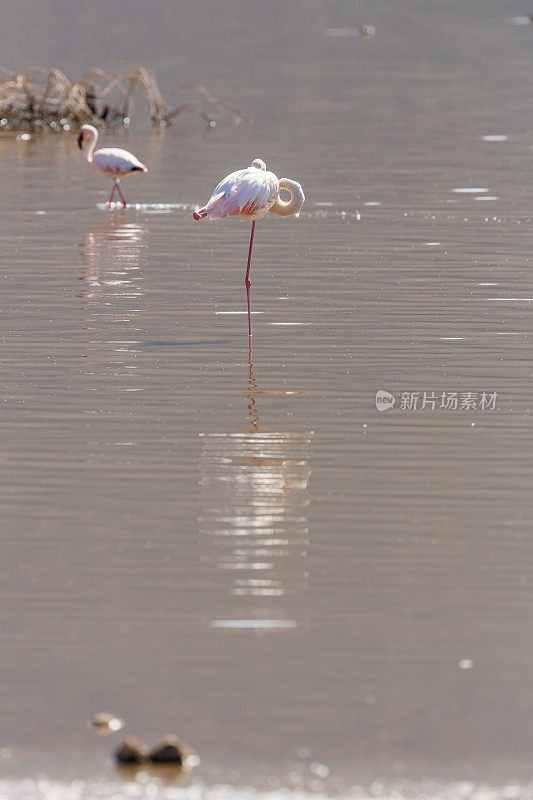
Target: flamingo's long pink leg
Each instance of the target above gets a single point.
(247, 281)
(112, 193)
(121, 196)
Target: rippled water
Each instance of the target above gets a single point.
(236, 545)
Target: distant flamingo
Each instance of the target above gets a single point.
(252, 193)
(111, 162)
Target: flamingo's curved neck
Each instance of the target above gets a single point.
(92, 144)
(294, 204)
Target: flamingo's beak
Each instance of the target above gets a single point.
(80, 141)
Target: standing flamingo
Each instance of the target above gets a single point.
(111, 162)
(252, 193)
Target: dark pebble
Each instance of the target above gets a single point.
(169, 751)
(131, 752)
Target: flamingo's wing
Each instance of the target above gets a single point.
(247, 192)
(116, 161)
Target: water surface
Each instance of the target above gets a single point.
(238, 546)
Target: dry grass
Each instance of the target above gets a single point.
(41, 99)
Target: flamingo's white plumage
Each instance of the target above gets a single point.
(111, 162)
(252, 193)
(249, 192)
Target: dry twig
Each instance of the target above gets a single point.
(42, 99)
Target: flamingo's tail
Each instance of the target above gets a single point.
(210, 209)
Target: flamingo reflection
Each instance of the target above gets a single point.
(113, 254)
(253, 527)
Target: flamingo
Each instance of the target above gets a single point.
(111, 162)
(252, 193)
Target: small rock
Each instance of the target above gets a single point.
(104, 722)
(131, 752)
(169, 751)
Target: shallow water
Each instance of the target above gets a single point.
(238, 546)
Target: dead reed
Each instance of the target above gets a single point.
(45, 99)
